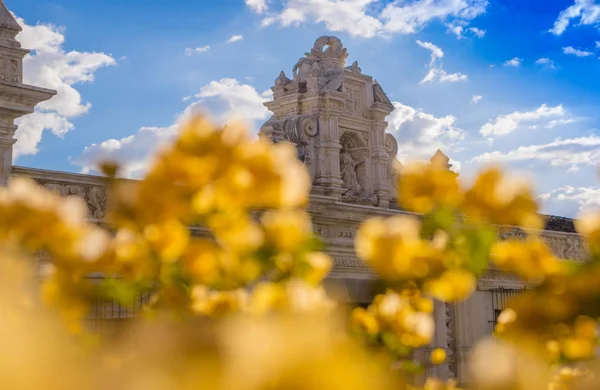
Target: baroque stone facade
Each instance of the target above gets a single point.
(335, 115)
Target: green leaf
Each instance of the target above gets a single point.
(439, 219)
(478, 241)
(121, 291)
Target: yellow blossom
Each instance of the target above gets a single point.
(438, 356)
(530, 259)
(395, 250)
(286, 230)
(318, 266)
(588, 225)
(365, 320)
(502, 200)
(451, 286)
(423, 187)
(169, 239)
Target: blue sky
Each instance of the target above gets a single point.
(124, 77)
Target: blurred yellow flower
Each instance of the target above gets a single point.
(395, 250)
(438, 356)
(451, 286)
(423, 187)
(531, 259)
(502, 200)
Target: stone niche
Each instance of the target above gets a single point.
(335, 115)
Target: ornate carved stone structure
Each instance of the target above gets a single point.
(16, 98)
(336, 117)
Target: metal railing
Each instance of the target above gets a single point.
(108, 317)
(501, 298)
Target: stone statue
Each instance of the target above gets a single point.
(348, 170)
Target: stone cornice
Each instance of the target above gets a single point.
(19, 99)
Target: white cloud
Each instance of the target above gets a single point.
(479, 33)
(235, 38)
(597, 44)
(451, 77)
(349, 16)
(576, 52)
(545, 61)
(572, 200)
(268, 21)
(476, 98)
(50, 66)
(560, 152)
(133, 152)
(515, 62)
(197, 50)
(587, 11)
(239, 99)
(456, 29)
(411, 17)
(258, 6)
(506, 124)
(461, 31)
(420, 134)
(557, 122)
(442, 76)
(437, 73)
(436, 52)
(359, 17)
(225, 97)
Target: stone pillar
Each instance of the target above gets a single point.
(329, 147)
(16, 98)
(380, 156)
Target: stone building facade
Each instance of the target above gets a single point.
(335, 115)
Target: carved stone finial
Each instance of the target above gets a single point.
(7, 21)
(282, 79)
(440, 159)
(354, 67)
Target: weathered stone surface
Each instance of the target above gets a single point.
(335, 115)
(16, 98)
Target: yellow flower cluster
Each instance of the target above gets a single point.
(394, 248)
(36, 220)
(531, 259)
(218, 232)
(502, 200)
(401, 320)
(215, 179)
(494, 197)
(425, 187)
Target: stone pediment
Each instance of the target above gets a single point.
(380, 96)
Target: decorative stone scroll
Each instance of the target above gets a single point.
(94, 196)
(567, 246)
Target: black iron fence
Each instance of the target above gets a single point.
(108, 317)
(501, 298)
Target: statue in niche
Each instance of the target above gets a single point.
(348, 169)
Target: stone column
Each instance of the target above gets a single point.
(379, 155)
(328, 177)
(16, 98)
